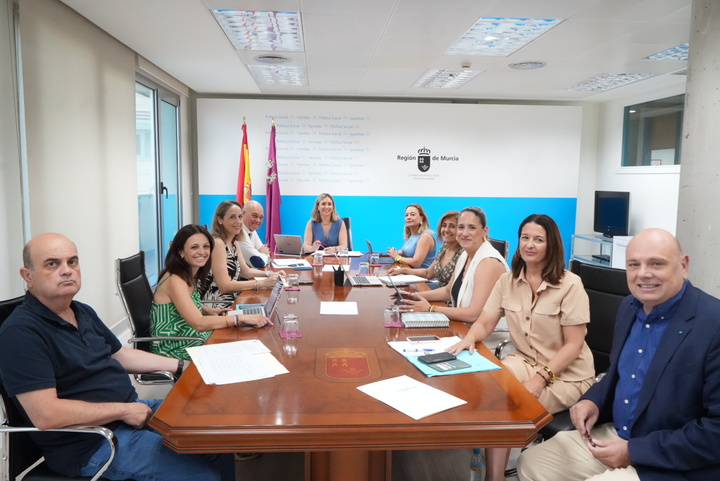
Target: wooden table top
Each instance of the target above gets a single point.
(316, 407)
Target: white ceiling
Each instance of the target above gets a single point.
(378, 48)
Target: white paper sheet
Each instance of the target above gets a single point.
(339, 308)
(421, 348)
(402, 279)
(411, 397)
(349, 254)
(238, 361)
(285, 263)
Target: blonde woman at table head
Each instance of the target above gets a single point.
(177, 309)
(547, 310)
(419, 247)
(444, 265)
(477, 269)
(325, 229)
(230, 274)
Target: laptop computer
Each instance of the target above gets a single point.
(361, 281)
(383, 258)
(288, 245)
(267, 308)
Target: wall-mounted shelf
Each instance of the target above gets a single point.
(599, 250)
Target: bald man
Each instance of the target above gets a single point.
(256, 253)
(64, 367)
(656, 414)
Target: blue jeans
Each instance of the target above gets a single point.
(141, 456)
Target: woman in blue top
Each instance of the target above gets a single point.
(419, 247)
(325, 229)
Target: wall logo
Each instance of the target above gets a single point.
(423, 159)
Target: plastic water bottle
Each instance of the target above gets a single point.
(477, 468)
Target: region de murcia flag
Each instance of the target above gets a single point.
(272, 191)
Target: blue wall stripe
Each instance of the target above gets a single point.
(381, 219)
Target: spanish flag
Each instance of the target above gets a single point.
(244, 184)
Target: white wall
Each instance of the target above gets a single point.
(653, 190)
(11, 233)
(80, 109)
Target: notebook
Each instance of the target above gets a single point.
(364, 281)
(381, 259)
(425, 319)
(267, 308)
(288, 245)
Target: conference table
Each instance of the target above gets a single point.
(317, 409)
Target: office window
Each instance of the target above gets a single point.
(652, 132)
(157, 140)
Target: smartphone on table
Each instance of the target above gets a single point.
(419, 339)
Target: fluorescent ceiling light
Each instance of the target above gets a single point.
(445, 78)
(279, 75)
(255, 30)
(493, 36)
(608, 81)
(676, 53)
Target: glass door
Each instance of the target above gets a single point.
(157, 137)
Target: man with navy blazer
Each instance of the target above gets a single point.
(656, 414)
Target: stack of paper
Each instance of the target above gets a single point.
(411, 351)
(411, 397)
(231, 362)
(285, 263)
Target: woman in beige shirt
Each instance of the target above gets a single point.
(547, 310)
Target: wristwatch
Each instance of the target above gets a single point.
(268, 273)
(181, 365)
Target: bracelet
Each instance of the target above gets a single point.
(547, 380)
(432, 308)
(552, 377)
(181, 365)
(256, 284)
(398, 259)
(237, 322)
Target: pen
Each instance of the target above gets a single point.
(418, 350)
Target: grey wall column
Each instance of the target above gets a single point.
(698, 224)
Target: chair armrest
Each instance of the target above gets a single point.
(501, 347)
(100, 430)
(229, 303)
(133, 340)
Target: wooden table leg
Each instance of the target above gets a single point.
(352, 465)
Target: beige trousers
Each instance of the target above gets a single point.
(556, 397)
(565, 457)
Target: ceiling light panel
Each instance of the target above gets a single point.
(608, 81)
(500, 37)
(445, 78)
(279, 75)
(676, 53)
(259, 30)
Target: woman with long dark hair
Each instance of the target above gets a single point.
(547, 310)
(177, 309)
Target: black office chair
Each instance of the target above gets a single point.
(19, 451)
(501, 246)
(606, 288)
(137, 295)
(346, 220)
